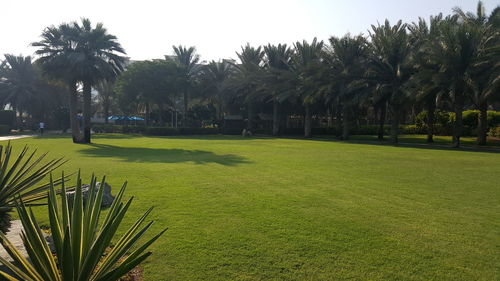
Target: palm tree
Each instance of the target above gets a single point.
(307, 61)
(456, 54)
(188, 61)
(80, 53)
(278, 64)
(426, 88)
(106, 94)
(215, 80)
(23, 88)
(390, 67)
(248, 76)
(486, 72)
(347, 60)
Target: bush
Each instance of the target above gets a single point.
(494, 132)
(8, 118)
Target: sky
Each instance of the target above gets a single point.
(147, 29)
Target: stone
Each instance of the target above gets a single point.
(107, 197)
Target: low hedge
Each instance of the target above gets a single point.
(153, 131)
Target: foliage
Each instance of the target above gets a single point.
(80, 241)
(321, 194)
(8, 118)
(20, 177)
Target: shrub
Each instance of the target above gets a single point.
(81, 240)
(20, 178)
(494, 132)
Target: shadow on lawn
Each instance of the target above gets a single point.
(435, 146)
(162, 155)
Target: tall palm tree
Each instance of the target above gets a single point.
(390, 67)
(486, 72)
(278, 64)
(216, 77)
(307, 61)
(347, 60)
(80, 53)
(426, 89)
(188, 61)
(456, 54)
(247, 78)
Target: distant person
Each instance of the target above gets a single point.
(41, 126)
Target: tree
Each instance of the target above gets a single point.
(485, 80)
(106, 94)
(149, 82)
(278, 65)
(215, 79)
(456, 53)
(347, 60)
(188, 62)
(390, 67)
(426, 89)
(80, 53)
(247, 78)
(25, 90)
(307, 62)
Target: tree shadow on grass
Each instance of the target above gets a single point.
(162, 155)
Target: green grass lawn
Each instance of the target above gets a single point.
(285, 209)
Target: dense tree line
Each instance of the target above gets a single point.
(445, 63)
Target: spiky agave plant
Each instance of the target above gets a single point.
(82, 240)
(21, 177)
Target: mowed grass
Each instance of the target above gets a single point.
(284, 209)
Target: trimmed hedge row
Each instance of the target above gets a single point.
(167, 131)
(153, 131)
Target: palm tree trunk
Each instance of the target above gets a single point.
(431, 112)
(106, 111)
(482, 123)
(87, 112)
(276, 118)
(458, 126)
(147, 114)
(383, 112)
(394, 123)
(338, 118)
(185, 117)
(160, 114)
(250, 116)
(307, 121)
(346, 122)
(73, 101)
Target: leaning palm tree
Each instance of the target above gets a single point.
(80, 53)
(307, 61)
(390, 67)
(188, 62)
(56, 50)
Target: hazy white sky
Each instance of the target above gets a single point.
(147, 29)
